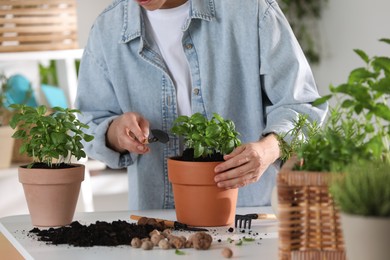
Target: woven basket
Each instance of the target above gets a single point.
(37, 25)
(309, 224)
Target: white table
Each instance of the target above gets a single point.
(16, 228)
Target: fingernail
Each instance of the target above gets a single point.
(140, 147)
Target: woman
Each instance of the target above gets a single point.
(148, 61)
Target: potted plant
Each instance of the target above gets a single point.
(198, 200)
(7, 142)
(362, 193)
(51, 182)
(358, 128)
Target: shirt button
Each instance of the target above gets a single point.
(196, 91)
(189, 46)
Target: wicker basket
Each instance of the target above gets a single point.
(309, 224)
(37, 25)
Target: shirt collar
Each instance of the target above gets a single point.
(133, 22)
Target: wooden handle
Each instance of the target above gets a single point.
(167, 223)
(266, 216)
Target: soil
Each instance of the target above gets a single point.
(100, 233)
(188, 155)
(40, 165)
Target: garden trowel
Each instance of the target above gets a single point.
(173, 224)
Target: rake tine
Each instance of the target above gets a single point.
(238, 221)
(249, 223)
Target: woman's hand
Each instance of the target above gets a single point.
(128, 132)
(247, 163)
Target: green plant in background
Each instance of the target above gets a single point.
(359, 127)
(48, 74)
(3, 90)
(5, 112)
(292, 141)
(49, 136)
(363, 189)
(303, 17)
(206, 137)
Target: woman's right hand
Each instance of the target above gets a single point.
(128, 132)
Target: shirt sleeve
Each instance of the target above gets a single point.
(97, 101)
(288, 81)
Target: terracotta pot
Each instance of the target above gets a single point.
(7, 144)
(51, 194)
(366, 237)
(198, 200)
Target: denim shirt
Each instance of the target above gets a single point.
(245, 64)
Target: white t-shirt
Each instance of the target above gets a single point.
(166, 24)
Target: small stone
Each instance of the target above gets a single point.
(227, 252)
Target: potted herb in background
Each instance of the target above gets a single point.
(7, 142)
(358, 128)
(362, 193)
(198, 200)
(51, 182)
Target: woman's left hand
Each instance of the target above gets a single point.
(247, 163)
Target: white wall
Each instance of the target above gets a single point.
(348, 25)
(87, 11)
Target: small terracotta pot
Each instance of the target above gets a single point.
(51, 194)
(198, 200)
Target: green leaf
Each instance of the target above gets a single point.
(41, 110)
(382, 86)
(386, 40)
(19, 134)
(239, 243)
(321, 100)
(362, 55)
(383, 111)
(198, 150)
(88, 138)
(381, 63)
(250, 239)
(218, 117)
(360, 74)
(198, 119)
(213, 131)
(347, 103)
(179, 252)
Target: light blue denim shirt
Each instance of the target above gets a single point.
(245, 64)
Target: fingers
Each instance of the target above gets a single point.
(242, 167)
(129, 132)
(138, 127)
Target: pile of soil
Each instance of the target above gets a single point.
(100, 233)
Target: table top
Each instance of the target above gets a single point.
(16, 229)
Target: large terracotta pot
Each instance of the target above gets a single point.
(366, 237)
(51, 194)
(198, 200)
